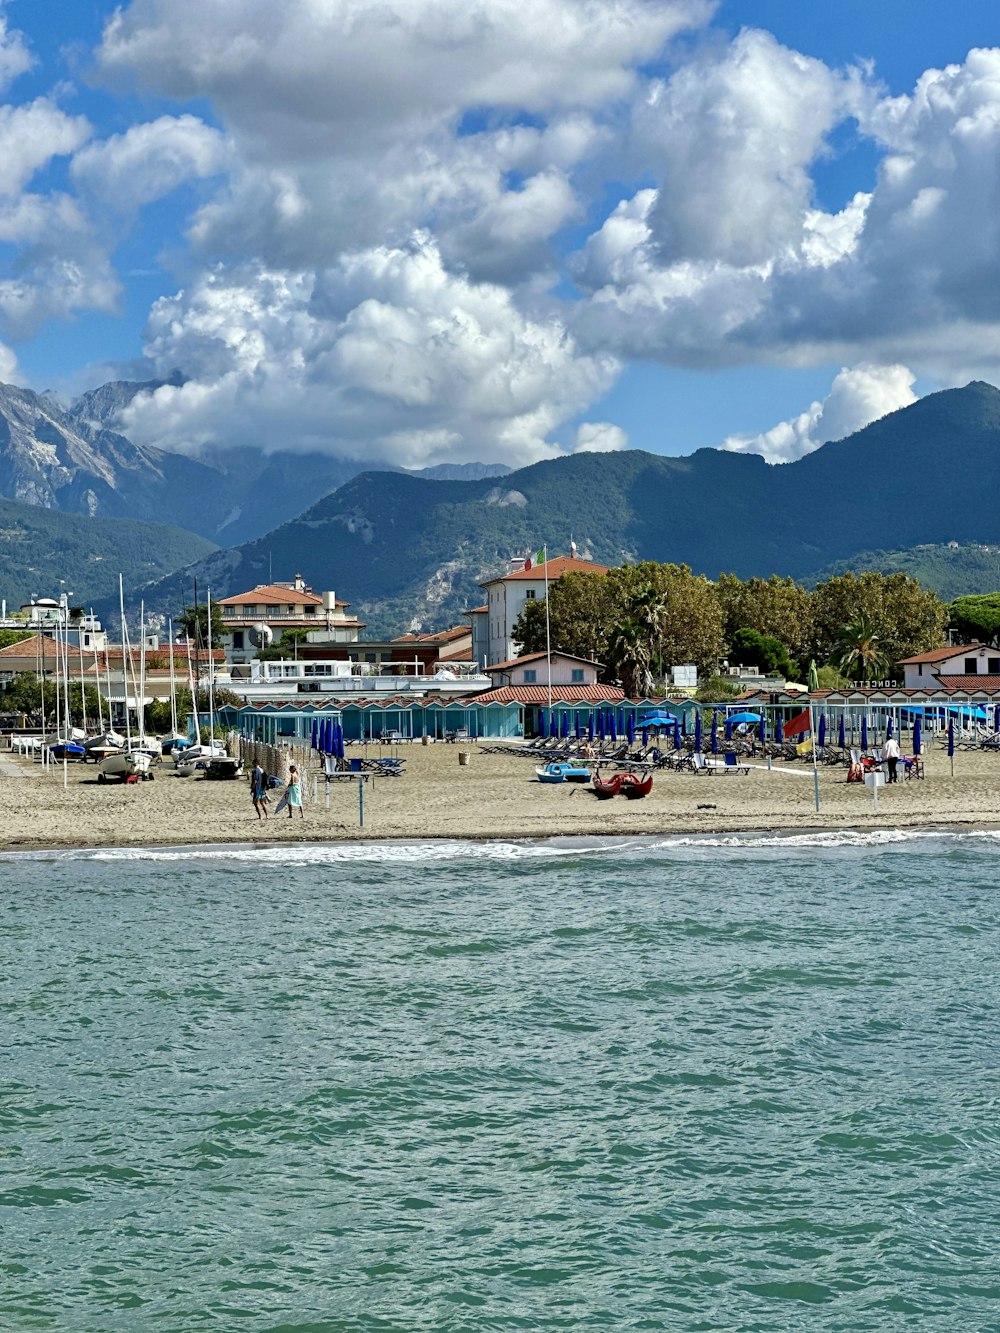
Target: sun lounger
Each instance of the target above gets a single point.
(732, 765)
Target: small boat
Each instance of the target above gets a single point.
(193, 754)
(606, 787)
(125, 764)
(67, 750)
(223, 768)
(635, 787)
(561, 771)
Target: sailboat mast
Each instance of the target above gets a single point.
(173, 685)
(126, 657)
(211, 677)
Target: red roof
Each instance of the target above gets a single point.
(941, 654)
(554, 568)
(538, 657)
(983, 682)
(269, 594)
(477, 610)
(29, 646)
(561, 694)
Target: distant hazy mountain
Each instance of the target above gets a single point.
(45, 552)
(404, 549)
(462, 471)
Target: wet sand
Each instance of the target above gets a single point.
(494, 796)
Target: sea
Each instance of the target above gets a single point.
(685, 1083)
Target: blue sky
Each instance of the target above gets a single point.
(441, 230)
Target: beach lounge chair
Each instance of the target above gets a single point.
(700, 764)
(732, 765)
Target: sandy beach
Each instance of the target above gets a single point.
(494, 796)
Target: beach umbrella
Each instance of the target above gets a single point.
(763, 731)
(564, 726)
(630, 728)
(864, 731)
(612, 724)
(715, 731)
(822, 730)
(813, 680)
(697, 729)
(684, 724)
(590, 726)
(600, 724)
(327, 733)
(916, 735)
(841, 738)
(996, 718)
(951, 738)
(677, 734)
(645, 737)
(553, 725)
(314, 735)
(888, 729)
(779, 732)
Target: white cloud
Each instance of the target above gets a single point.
(15, 59)
(149, 160)
(599, 437)
(858, 396)
(8, 365)
(30, 137)
(384, 355)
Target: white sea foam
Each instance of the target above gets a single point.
(440, 851)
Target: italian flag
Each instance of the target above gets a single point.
(537, 559)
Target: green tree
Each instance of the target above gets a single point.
(194, 624)
(977, 617)
(749, 648)
(8, 637)
(907, 617)
(778, 607)
(25, 693)
(858, 653)
(286, 645)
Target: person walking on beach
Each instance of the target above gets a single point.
(890, 753)
(258, 790)
(293, 792)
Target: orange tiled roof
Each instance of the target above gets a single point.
(477, 610)
(941, 654)
(268, 594)
(982, 682)
(561, 694)
(539, 657)
(554, 568)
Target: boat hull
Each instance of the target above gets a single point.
(124, 765)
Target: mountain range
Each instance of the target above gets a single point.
(408, 550)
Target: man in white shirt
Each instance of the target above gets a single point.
(890, 753)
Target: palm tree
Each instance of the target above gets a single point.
(630, 654)
(858, 653)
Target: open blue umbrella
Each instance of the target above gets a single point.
(697, 730)
(677, 734)
(779, 732)
(864, 731)
(841, 736)
(715, 731)
(916, 736)
(822, 731)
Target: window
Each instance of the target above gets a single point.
(529, 594)
(920, 668)
(370, 657)
(970, 666)
(993, 666)
(271, 610)
(576, 675)
(238, 639)
(530, 677)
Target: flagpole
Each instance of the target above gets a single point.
(548, 633)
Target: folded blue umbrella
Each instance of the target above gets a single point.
(715, 731)
(864, 732)
(841, 734)
(916, 736)
(822, 731)
(951, 739)
(677, 734)
(697, 730)
(779, 732)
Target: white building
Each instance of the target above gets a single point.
(958, 667)
(259, 617)
(493, 623)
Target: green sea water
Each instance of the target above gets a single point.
(730, 1084)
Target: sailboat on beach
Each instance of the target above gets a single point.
(133, 760)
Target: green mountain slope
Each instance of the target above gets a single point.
(40, 547)
(950, 571)
(405, 550)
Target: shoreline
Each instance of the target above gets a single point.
(493, 798)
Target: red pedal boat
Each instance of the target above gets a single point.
(635, 787)
(605, 787)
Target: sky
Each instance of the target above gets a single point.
(430, 231)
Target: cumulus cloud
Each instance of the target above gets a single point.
(149, 160)
(859, 395)
(385, 355)
(30, 137)
(599, 437)
(8, 365)
(15, 59)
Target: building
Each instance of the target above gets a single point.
(566, 685)
(493, 623)
(257, 618)
(969, 666)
